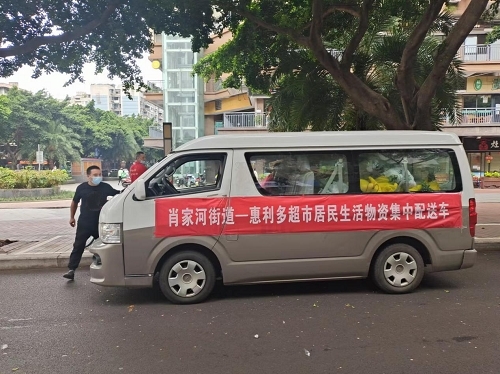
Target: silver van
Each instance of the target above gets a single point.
(284, 207)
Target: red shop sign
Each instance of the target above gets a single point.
(295, 214)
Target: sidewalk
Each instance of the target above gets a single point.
(47, 242)
(50, 204)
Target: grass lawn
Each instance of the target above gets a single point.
(62, 195)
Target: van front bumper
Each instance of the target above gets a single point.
(107, 268)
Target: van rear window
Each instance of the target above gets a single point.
(422, 170)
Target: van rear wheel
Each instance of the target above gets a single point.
(187, 277)
(398, 268)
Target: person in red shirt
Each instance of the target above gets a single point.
(138, 167)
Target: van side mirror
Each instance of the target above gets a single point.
(140, 190)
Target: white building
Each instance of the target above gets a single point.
(110, 97)
(81, 98)
(5, 87)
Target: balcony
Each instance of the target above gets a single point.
(479, 53)
(245, 120)
(478, 117)
(155, 132)
(155, 93)
(155, 87)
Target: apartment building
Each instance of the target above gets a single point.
(479, 128)
(110, 97)
(5, 87)
(194, 107)
(81, 98)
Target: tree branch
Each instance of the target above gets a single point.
(317, 22)
(358, 35)
(32, 44)
(450, 46)
(351, 9)
(405, 81)
(291, 33)
(363, 97)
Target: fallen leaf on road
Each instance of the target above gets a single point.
(308, 354)
(446, 291)
(4, 346)
(131, 308)
(15, 369)
(256, 336)
(314, 305)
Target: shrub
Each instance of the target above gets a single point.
(493, 174)
(31, 178)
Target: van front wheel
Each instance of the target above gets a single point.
(187, 277)
(398, 268)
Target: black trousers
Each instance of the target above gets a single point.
(82, 235)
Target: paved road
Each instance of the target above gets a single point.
(451, 325)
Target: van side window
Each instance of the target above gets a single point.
(426, 170)
(299, 173)
(188, 174)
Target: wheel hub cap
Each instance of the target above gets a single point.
(400, 269)
(186, 278)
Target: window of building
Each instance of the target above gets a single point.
(299, 173)
(218, 104)
(181, 97)
(432, 170)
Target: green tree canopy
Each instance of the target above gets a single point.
(65, 132)
(277, 37)
(306, 97)
(57, 35)
(61, 35)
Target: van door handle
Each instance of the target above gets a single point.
(216, 194)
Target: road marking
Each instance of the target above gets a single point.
(19, 319)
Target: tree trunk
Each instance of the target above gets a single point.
(363, 97)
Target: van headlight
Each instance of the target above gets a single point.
(110, 233)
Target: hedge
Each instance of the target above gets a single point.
(10, 179)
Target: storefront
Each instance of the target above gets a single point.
(483, 154)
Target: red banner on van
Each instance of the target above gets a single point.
(312, 213)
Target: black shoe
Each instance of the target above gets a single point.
(69, 275)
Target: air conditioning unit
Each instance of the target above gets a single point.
(453, 1)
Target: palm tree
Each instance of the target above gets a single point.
(308, 98)
(60, 144)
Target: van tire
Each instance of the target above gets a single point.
(187, 277)
(398, 268)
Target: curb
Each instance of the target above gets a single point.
(487, 244)
(32, 261)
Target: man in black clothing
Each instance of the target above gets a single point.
(93, 195)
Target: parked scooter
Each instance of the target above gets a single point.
(126, 182)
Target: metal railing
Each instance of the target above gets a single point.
(155, 86)
(245, 120)
(155, 132)
(477, 117)
(480, 52)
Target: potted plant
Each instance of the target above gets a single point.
(491, 180)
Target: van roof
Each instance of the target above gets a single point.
(322, 139)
